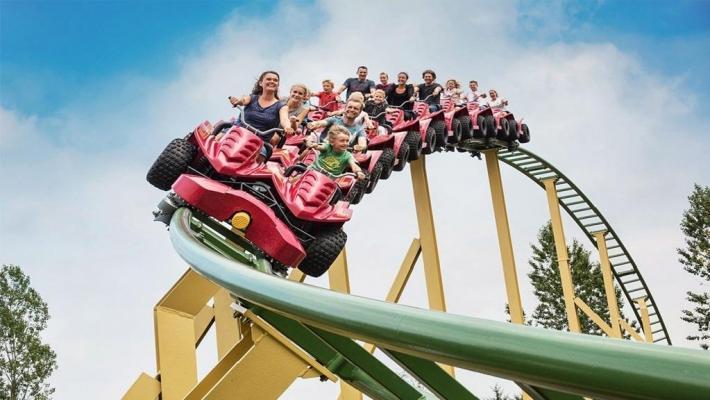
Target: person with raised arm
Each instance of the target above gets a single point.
(496, 103)
(261, 109)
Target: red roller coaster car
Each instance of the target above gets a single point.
(297, 221)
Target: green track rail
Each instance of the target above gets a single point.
(544, 362)
(590, 220)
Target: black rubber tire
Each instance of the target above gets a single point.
(387, 161)
(456, 129)
(357, 191)
(512, 130)
(322, 251)
(402, 156)
(430, 141)
(374, 178)
(171, 163)
(502, 133)
(525, 136)
(414, 140)
(466, 127)
(480, 133)
(490, 126)
(440, 129)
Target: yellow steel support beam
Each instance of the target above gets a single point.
(400, 281)
(645, 319)
(631, 331)
(427, 237)
(339, 280)
(504, 242)
(562, 256)
(297, 275)
(144, 388)
(176, 345)
(263, 373)
(226, 362)
(593, 316)
(614, 314)
(227, 328)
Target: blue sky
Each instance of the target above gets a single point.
(49, 50)
(99, 88)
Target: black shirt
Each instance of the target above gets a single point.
(425, 91)
(397, 99)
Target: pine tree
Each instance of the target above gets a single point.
(695, 258)
(25, 362)
(587, 279)
(499, 394)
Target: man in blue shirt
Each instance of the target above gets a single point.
(360, 84)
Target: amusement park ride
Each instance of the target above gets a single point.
(251, 233)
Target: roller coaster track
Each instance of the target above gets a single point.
(547, 364)
(591, 220)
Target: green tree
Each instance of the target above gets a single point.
(499, 394)
(545, 278)
(695, 258)
(25, 362)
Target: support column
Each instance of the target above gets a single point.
(562, 256)
(226, 327)
(645, 320)
(427, 238)
(611, 302)
(339, 280)
(504, 242)
(427, 235)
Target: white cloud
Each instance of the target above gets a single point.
(78, 214)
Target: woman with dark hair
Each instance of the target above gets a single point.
(261, 107)
(400, 94)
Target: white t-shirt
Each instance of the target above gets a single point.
(497, 104)
(452, 94)
(475, 97)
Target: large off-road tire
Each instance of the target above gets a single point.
(512, 130)
(430, 141)
(171, 163)
(502, 133)
(402, 156)
(466, 127)
(322, 251)
(357, 191)
(456, 132)
(525, 134)
(440, 129)
(374, 178)
(490, 126)
(387, 161)
(480, 133)
(414, 140)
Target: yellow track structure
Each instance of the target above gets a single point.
(260, 355)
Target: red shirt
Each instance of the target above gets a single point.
(327, 100)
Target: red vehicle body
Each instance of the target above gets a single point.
(288, 216)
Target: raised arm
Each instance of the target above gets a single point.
(239, 101)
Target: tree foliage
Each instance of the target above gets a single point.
(587, 279)
(499, 394)
(695, 257)
(25, 362)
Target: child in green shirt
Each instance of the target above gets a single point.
(334, 156)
